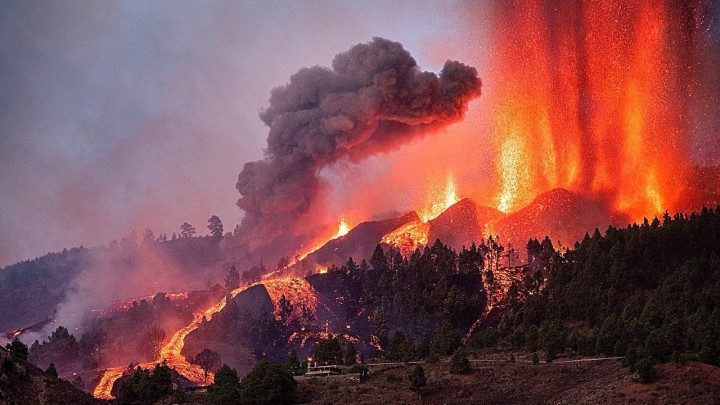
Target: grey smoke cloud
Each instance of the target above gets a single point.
(373, 98)
(117, 116)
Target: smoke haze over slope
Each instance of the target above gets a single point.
(121, 116)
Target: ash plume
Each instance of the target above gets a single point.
(374, 98)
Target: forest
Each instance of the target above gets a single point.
(648, 292)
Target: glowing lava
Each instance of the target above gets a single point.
(104, 388)
(414, 234)
(343, 228)
(439, 200)
(296, 290)
(407, 238)
(594, 97)
(171, 352)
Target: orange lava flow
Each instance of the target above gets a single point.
(408, 237)
(107, 380)
(343, 229)
(296, 290)
(171, 353)
(592, 97)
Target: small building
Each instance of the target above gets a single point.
(322, 371)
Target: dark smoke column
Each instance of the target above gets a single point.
(374, 98)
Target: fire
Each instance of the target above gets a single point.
(592, 98)
(439, 201)
(107, 380)
(408, 237)
(414, 234)
(171, 352)
(343, 228)
(296, 290)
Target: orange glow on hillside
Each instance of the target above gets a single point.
(414, 234)
(343, 227)
(171, 353)
(296, 290)
(408, 237)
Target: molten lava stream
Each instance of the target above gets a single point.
(104, 388)
(171, 353)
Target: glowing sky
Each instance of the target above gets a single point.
(117, 116)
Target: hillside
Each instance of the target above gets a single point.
(462, 224)
(524, 383)
(22, 383)
(87, 278)
(358, 243)
(560, 214)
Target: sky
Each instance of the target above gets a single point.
(125, 115)
(121, 116)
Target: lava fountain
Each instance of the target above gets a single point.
(594, 97)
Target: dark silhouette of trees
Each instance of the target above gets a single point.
(417, 378)
(350, 353)
(226, 389)
(379, 326)
(400, 348)
(459, 363)
(61, 348)
(18, 349)
(215, 226)
(51, 370)
(208, 361)
(269, 384)
(293, 364)
(144, 387)
(447, 339)
(151, 341)
(187, 230)
(232, 279)
(285, 309)
(648, 292)
(329, 351)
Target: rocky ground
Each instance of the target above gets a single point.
(525, 383)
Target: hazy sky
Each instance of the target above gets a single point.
(117, 116)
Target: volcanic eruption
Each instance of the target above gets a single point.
(373, 99)
(598, 98)
(593, 116)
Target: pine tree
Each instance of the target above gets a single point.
(293, 364)
(226, 389)
(18, 349)
(51, 370)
